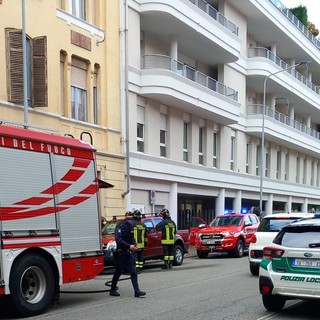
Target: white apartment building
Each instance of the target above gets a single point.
(223, 108)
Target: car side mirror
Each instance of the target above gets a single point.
(247, 224)
(201, 225)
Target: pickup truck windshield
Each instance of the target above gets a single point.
(226, 221)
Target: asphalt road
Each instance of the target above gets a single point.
(215, 288)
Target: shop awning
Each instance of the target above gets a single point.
(104, 185)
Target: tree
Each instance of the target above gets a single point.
(301, 12)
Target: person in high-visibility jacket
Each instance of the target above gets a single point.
(140, 233)
(168, 229)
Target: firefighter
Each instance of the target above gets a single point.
(124, 258)
(141, 238)
(168, 229)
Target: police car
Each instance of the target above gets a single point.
(290, 267)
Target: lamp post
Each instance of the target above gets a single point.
(262, 165)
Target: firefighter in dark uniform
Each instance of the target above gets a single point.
(124, 259)
(168, 229)
(141, 238)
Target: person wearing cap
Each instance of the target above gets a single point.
(140, 232)
(123, 256)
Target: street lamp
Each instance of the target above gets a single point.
(263, 115)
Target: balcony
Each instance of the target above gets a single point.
(282, 130)
(200, 31)
(216, 15)
(296, 22)
(175, 84)
(156, 61)
(265, 53)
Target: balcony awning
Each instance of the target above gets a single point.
(104, 184)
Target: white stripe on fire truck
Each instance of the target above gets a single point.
(10, 243)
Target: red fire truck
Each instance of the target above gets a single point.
(49, 216)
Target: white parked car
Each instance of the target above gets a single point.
(269, 226)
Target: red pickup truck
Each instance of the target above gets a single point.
(153, 250)
(230, 233)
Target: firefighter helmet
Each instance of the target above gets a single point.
(129, 214)
(137, 214)
(165, 213)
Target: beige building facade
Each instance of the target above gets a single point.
(73, 78)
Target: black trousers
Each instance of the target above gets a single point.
(125, 262)
(168, 252)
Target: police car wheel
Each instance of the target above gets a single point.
(273, 303)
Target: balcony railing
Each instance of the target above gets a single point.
(157, 61)
(280, 117)
(216, 15)
(296, 22)
(265, 53)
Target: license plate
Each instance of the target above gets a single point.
(209, 242)
(306, 263)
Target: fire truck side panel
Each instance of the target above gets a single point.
(78, 205)
(24, 177)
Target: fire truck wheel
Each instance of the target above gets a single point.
(178, 255)
(31, 284)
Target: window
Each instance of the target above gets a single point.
(185, 141)
(79, 108)
(215, 150)
(36, 57)
(286, 170)
(312, 173)
(258, 157)
(304, 178)
(140, 129)
(247, 156)
(78, 8)
(201, 145)
(62, 83)
(298, 170)
(95, 96)
(163, 135)
(267, 166)
(278, 171)
(232, 155)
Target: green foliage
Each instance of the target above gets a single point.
(301, 13)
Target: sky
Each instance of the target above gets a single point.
(313, 7)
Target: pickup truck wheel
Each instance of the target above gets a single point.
(178, 255)
(238, 250)
(201, 254)
(273, 303)
(32, 285)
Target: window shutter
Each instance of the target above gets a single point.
(79, 74)
(62, 81)
(14, 65)
(39, 80)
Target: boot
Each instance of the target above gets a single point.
(170, 264)
(114, 293)
(165, 266)
(139, 294)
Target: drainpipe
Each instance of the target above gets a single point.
(125, 95)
